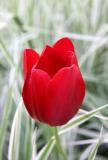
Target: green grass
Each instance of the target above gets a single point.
(34, 23)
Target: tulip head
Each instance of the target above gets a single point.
(53, 88)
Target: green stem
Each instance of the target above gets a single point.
(58, 144)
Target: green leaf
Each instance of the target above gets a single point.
(81, 119)
(45, 151)
(13, 151)
(28, 144)
(34, 147)
(4, 120)
(93, 152)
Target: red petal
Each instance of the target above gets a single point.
(65, 94)
(51, 61)
(63, 45)
(70, 58)
(27, 96)
(39, 83)
(30, 59)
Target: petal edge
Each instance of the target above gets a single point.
(30, 59)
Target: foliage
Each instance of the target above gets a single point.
(33, 23)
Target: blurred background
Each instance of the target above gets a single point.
(33, 24)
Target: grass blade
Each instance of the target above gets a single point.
(4, 121)
(13, 152)
(45, 152)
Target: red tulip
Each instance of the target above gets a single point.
(54, 88)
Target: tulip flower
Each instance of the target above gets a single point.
(53, 88)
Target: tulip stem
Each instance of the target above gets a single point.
(58, 144)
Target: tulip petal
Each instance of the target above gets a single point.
(70, 58)
(39, 84)
(27, 96)
(30, 59)
(63, 45)
(51, 61)
(65, 94)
